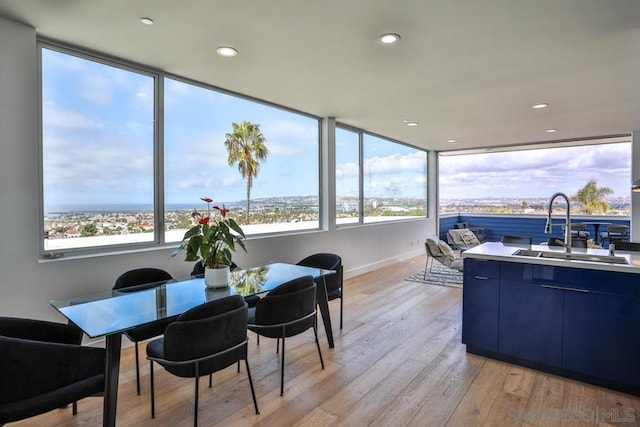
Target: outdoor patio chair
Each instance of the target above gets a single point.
(440, 251)
(462, 239)
(628, 246)
(615, 234)
(516, 240)
(578, 231)
(575, 243)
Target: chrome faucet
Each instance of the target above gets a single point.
(567, 227)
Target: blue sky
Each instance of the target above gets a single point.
(536, 173)
(98, 129)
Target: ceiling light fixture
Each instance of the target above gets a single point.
(452, 141)
(551, 130)
(412, 123)
(389, 38)
(226, 51)
(146, 21)
(540, 105)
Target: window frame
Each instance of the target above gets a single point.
(158, 241)
(361, 134)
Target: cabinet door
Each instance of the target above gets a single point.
(480, 312)
(602, 336)
(530, 325)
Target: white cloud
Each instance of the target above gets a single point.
(65, 119)
(97, 89)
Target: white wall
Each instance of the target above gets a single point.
(26, 284)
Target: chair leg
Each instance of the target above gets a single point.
(426, 264)
(210, 380)
(238, 366)
(282, 365)
(315, 332)
(74, 408)
(278, 345)
(195, 401)
(253, 393)
(153, 397)
(341, 299)
(137, 370)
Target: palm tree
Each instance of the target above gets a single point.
(592, 198)
(245, 146)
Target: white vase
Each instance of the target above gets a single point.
(217, 277)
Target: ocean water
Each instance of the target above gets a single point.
(124, 207)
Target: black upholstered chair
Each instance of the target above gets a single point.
(333, 282)
(288, 310)
(43, 367)
(517, 240)
(203, 340)
(135, 280)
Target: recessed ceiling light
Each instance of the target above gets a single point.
(452, 141)
(412, 123)
(389, 38)
(146, 21)
(540, 105)
(226, 51)
(551, 130)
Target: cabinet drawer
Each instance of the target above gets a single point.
(481, 267)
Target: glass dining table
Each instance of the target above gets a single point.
(109, 314)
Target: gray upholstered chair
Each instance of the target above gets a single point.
(203, 340)
(462, 239)
(440, 251)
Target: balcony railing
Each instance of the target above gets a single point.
(498, 225)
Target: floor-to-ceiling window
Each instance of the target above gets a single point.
(120, 169)
(378, 179)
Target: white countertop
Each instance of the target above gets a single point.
(499, 252)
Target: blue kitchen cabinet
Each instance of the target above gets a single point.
(576, 322)
(480, 296)
(530, 326)
(602, 336)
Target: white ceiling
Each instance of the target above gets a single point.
(465, 69)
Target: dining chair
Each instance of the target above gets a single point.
(332, 282)
(576, 242)
(287, 310)
(203, 340)
(615, 233)
(578, 231)
(43, 367)
(627, 246)
(135, 280)
(517, 240)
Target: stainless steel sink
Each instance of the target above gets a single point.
(606, 259)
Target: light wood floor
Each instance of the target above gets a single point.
(398, 361)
